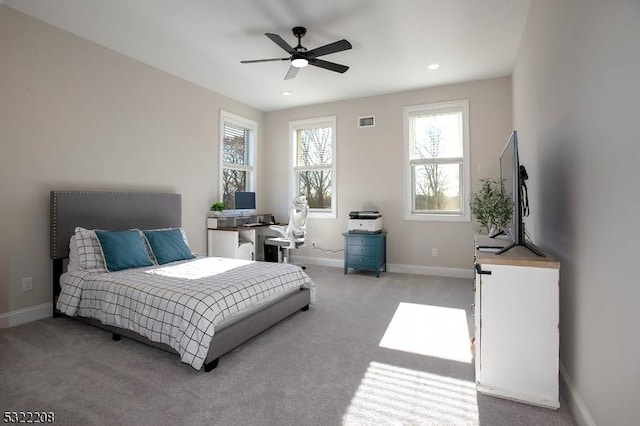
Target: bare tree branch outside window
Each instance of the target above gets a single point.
(436, 147)
(436, 162)
(431, 184)
(235, 158)
(314, 159)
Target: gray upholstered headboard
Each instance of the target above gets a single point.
(109, 210)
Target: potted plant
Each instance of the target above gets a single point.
(216, 208)
(491, 206)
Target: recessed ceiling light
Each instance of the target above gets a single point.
(433, 66)
(285, 93)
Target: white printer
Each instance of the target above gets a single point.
(365, 222)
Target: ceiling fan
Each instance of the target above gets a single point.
(301, 57)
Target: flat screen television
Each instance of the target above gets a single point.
(513, 177)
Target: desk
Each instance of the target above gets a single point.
(241, 242)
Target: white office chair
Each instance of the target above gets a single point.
(293, 236)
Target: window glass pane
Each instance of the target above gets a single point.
(314, 146)
(316, 186)
(437, 135)
(232, 181)
(436, 188)
(313, 165)
(235, 144)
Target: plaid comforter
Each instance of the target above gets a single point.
(178, 304)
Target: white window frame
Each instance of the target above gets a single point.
(465, 178)
(251, 168)
(296, 125)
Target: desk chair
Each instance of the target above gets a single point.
(293, 236)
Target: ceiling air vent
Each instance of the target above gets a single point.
(369, 121)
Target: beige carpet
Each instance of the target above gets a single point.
(392, 350)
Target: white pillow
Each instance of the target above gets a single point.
(73, 255)
(90, 255)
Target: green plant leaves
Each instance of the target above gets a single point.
(491, 205)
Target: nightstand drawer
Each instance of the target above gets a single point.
(362, 250)
(356, 261)
(358, 240)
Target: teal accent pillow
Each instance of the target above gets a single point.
(123, 249)
(168, 245)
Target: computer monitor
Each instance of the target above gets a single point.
(245, 201)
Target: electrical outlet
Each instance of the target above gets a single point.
(434, 252)
(27, 284)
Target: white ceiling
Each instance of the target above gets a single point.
(203, 41)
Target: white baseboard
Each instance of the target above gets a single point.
(393, 267)
(320, 261)
(576, 405)
(22, 316)
(438, 271)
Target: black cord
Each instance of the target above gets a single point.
(525, 200)
(524, 193)
(315, 246)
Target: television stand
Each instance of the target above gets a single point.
(529, 246)
(497, 233)
(504, 288)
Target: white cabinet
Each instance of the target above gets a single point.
(516, 325)
(236, 244)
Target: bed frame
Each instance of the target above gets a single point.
(147, 210)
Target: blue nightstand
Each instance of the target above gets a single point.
(365, 252)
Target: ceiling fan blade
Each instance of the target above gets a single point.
(293, 71)
(280, 42)
(331, 66)
(264, 60)
(337, 46)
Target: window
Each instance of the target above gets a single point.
(436, 155)
(237, 156)
(313, 144)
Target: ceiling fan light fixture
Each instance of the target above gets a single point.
(300, 57)
(299, 62)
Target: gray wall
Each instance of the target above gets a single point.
(74, 115)
(370, 171)
(576, 86)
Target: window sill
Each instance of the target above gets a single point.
(322, 215)
(434, 217)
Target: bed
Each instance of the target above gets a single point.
(221, 303)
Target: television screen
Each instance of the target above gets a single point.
(508, 166)
(513, 182)
(245, 200)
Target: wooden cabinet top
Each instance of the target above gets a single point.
(516, 256)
